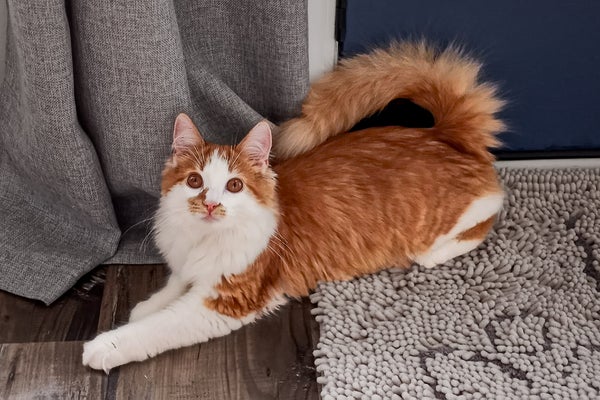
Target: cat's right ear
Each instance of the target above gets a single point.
(185, 134)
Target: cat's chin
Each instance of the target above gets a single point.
(211, 219)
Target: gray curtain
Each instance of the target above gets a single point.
(86, 112)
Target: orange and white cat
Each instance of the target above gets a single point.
(241, 236)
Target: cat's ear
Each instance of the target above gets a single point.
(185, 134)
(257, 144)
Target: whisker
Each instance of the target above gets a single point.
(198, 156)
(276, 252)
(136, 224)
(193, 157)
(236, 158)
(277, 236)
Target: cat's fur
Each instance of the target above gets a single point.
(353, 205)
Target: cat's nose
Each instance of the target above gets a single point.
(211, 206)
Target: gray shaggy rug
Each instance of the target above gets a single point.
(517, 318)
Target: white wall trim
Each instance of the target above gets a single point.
(546, 164)
(322, 47)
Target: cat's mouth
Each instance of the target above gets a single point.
(210, 218)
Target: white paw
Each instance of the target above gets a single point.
(427, 262)
(141, 310)
(108, 350)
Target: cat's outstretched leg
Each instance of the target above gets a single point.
(174, 288)
(184, 322)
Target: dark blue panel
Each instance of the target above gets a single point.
(545, 55)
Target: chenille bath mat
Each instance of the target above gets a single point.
(518, 318)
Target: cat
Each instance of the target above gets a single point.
(242, 236)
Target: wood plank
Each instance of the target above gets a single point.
(50, 370)
(73, 316)
(125, 286)
(271, 359)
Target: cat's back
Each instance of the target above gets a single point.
(369, 199)
(373, 157)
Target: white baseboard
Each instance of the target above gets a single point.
(322, 47)
(544, 164)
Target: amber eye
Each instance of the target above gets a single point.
(194, 181)
(235, 185)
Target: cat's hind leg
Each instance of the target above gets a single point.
(468, 232)
(463, 243)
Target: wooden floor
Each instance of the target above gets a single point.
(40, 349)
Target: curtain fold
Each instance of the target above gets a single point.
(86, 111)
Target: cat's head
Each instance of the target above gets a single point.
(216, 186)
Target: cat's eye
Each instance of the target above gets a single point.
(234, 185)
(194, 180)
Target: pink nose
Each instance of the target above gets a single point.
(210, 207)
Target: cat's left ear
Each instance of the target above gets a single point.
(257, 144)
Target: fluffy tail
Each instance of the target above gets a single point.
(443, 82)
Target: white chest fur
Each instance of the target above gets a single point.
(201, 252)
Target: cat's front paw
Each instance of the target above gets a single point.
(106, 351)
